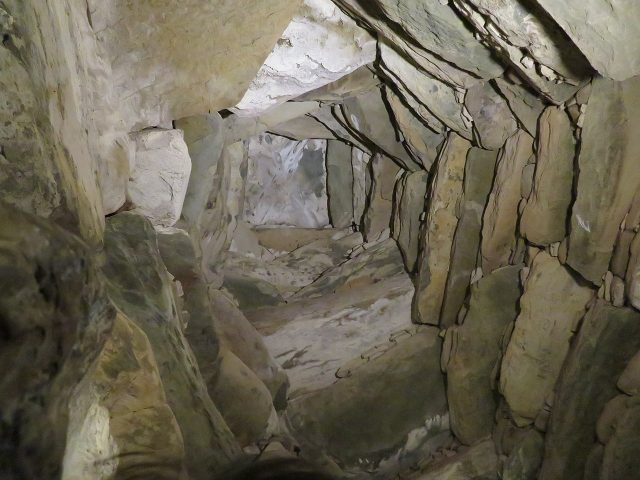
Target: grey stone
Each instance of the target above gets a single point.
(339, 184)
(493, 121)
(607, 339)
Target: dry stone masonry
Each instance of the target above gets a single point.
(388, 239)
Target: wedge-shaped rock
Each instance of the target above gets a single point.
(410, 194)
(607, 340)
(525, 105)
(471, 350)
(523, 34)
(422, 142)
(243, 400)
(120, 420)
(140, 286)
(501, 215)
(433, 26)
(603, 31)
(629, 381)
(368, 118)
(438, 230)
(608, 175)
(159, 79)
(478, 177)
(402, 389)
(544, 217)
(441, 100)
(493, 121)
(160, 175)
(550, 308)
(339, 184)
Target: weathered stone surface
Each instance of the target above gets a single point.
(440, 99)
(139, 285)
(472, 349)
(622, 453)
(544, 218)
(56, 320)
(339, 184)
(286, 182)
(431, 26)
(613, 410)
(409, 204)
(359, 163)
(439, 227)
(493, 121)
(204, 136)
(550, 308)
(479, 462)
(478, 177)
(501, 215)
(370, 119)
(359, 81)
(379, 206)
(524, 104)
(244, 401)
(159, 79)
(120, 424)
(608, 338)
(402, 389)
(27, 168)
(526, 458)
(600, 28)
(608, 177)
(629, 381)
(633, 273)
(320, 45)
(160, 175)
(240, 337)
(530, 41)
(421, 141)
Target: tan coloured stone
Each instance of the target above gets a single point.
(158, 78)
(475, 349)
(602, 31)
(550, 308)
(633, 273)
(478, 177)
(544, 217)
(493, 121)
(382, 178)
(629, 381)
(526, 106)
(409, 204)
(120, 422)
(501, 217)
(608, 176)
(438, 230)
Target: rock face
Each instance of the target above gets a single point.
(614, 54)
(221, 220)
(440, 225)
(478, 176)
(471, 351)
(501, 215)
(160, 175)
(139, 285)
(607, 180)
(544, 217)
(608, 338)
(331, 420)
(552, 304)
